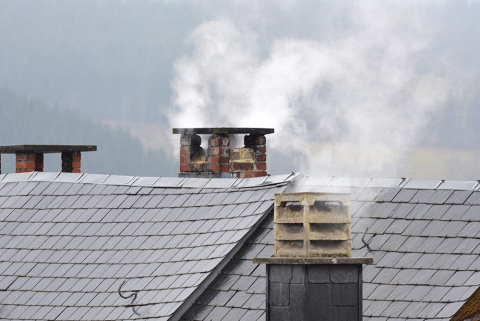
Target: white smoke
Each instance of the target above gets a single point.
(352, 103)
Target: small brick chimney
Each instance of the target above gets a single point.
(29, 158)
(220, 159)
(311, 275)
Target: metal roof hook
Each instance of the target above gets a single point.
(367, 243)
(133, 295)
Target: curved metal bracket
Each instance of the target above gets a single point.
(367, 243)
(134, 295)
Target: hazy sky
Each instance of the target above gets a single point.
(373, 78)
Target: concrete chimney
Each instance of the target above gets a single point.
(220, 159)
(29, 158)
(311, 275)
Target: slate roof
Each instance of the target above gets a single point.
(69, 241)
(238, 293)
(423, 236)
(184, 246)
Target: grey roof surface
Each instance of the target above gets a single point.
(69, 241)
(425, 243)
(238, 293)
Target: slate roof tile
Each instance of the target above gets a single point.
(380, 226)
(238, 299)
(449, 310)
(421, 277)
(418, 211)
(395, 310)
(430, 245)
(404, 196)
(253, 315)
(385, 276)
(259, 285)
(376, 308)
(6, 187)
(413, 309)
(122, 190)
(452, 229)
(434, 228)
(235, 314)
(218, 313)
(459, 278)
(142, 201)
(422, 196)
(402, 211)
(435, 212)
(440, 197)
(467, 246)
(416, 229)
(369, 194)
(382, 291)
(145, 190)
(97, 189)
(474, 199)
(426, 261)
(398, 226)
(440, 277)
(459, 197)
(232, 198)
(472, 214)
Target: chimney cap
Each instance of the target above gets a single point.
(12, 149)
(223, 130)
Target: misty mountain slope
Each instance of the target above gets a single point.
(32, 121)
(115, 59)
(110, 59)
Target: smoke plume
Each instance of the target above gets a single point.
(351, 102)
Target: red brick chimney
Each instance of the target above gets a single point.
(29, 158)
(220, 159)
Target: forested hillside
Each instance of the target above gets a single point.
(32, 121)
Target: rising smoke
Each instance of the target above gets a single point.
(351, 102)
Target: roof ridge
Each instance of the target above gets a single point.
(334, 181)
(164, 182)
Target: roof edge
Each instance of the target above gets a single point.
(165, 182)
(190, 301)
(298, 180)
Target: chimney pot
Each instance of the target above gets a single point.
(312, 224)
(219, 159)
(29, 158)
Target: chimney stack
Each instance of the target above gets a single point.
(311, 275)
(29, 158)
(220, 159)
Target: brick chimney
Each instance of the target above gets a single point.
(29, 158)
(220, 159)
(311, 275)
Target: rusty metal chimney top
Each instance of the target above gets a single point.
(220, 159)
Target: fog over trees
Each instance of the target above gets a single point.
(114, 61)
